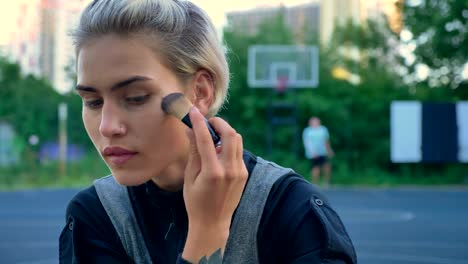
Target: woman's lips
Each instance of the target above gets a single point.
(118, 155)
(120, 159)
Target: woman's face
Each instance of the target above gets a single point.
(122, 82)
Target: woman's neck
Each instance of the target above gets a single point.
(172, 178)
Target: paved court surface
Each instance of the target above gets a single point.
(404, 226)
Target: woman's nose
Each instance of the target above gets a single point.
(111, 122)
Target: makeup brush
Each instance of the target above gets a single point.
(178, 105)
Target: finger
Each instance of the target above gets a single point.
(228, 138)
(204, 143)
(240, 148)
(193, 164)
(218, 149)
(240, 156)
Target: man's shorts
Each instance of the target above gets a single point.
(318, 161)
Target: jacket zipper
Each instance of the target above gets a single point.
(171, 225)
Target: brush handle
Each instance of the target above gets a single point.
(214, 135)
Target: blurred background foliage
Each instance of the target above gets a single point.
(357, 115)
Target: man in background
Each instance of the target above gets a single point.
(318, 150)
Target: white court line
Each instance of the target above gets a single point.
(42, 261)
(31, 223)
(376, 215)
(410, 258)
(411, 244)
(29, 245)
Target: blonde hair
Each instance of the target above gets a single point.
(186, 37)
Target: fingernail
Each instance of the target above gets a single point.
(195, 109)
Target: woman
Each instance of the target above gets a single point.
(174, 197)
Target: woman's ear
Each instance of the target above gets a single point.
(202, 91)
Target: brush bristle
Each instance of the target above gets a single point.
(176, 104)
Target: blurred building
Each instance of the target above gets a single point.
(57, 19)
(24, 39)
(319, 16)
(338, 12)
(299, 18)
(41, 42)
(385, 11)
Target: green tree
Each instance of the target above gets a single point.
(77, 132)
(28, 103)
(440, 32)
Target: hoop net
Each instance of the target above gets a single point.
(281, 84)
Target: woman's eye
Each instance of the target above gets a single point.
(137, 100)
(93, 104)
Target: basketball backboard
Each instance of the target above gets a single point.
(269, 65)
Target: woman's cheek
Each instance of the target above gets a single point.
(91, 123)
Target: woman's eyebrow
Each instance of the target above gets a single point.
(116, 86)
(84, 88)
(129, 81)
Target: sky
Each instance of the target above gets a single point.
(7, 19)
(216, 9)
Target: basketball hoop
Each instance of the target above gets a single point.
(267, 64)
(282, 84)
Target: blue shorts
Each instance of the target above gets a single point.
(318, 161)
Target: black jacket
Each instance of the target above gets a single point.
(298, 225)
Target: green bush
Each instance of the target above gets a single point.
(77, 174)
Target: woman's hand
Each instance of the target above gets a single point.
(213, 185)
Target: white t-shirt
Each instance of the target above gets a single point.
(315, 139)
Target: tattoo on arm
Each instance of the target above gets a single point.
(216, 258)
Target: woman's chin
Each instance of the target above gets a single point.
(128, 179)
